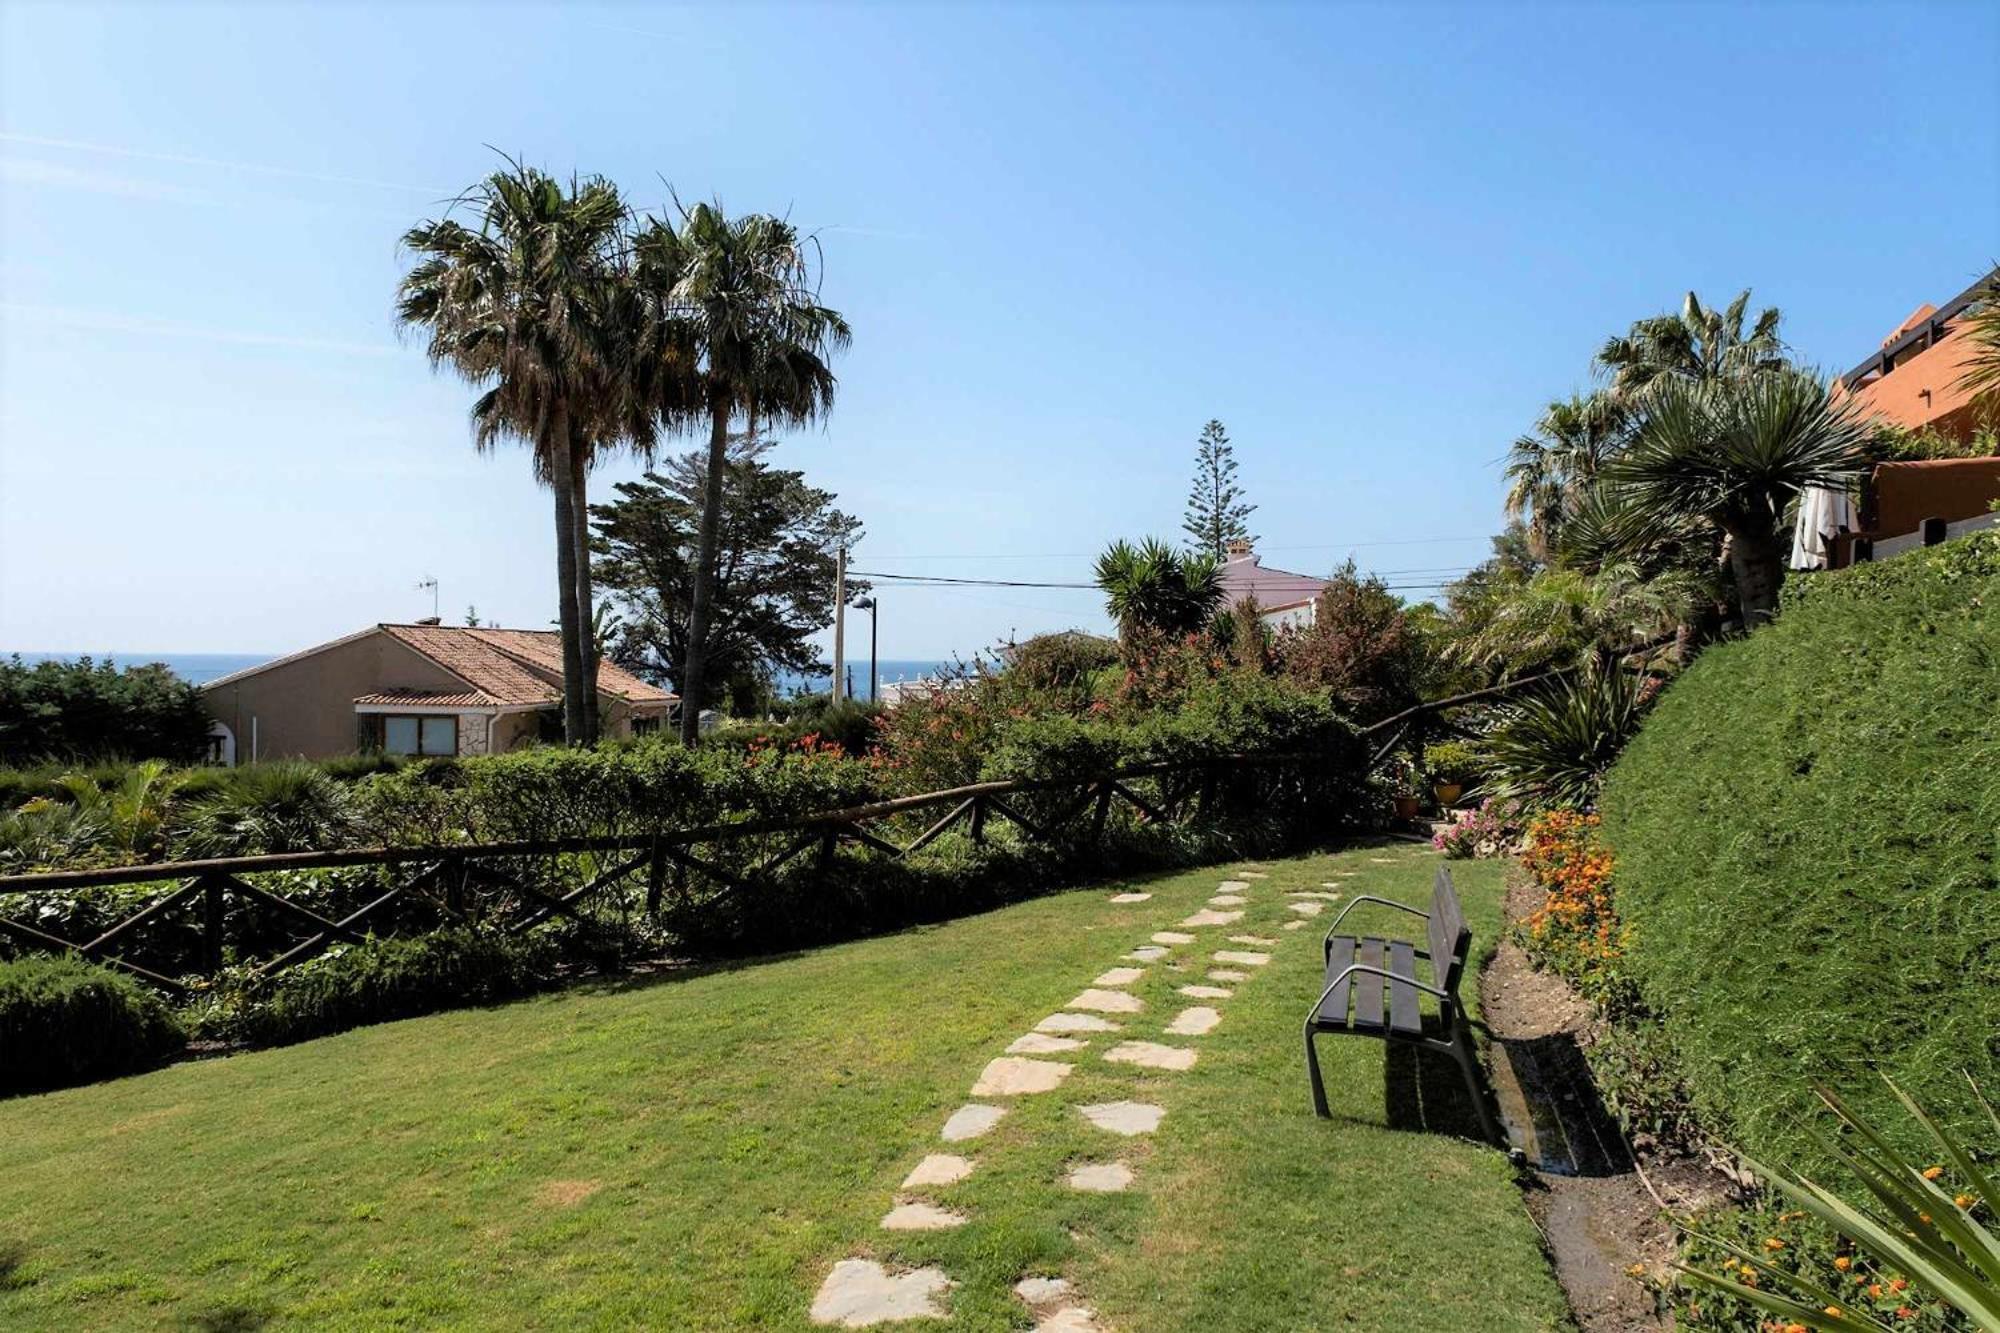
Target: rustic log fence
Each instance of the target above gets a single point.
(450, 881)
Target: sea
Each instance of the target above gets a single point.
(200, 668)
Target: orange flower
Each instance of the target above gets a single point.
(1773, 1244)
(1933, 1172)
(1898, 1284)
(1965, 1201)
(1875, 1291)
(1843, 1263)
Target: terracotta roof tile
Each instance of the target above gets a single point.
(515, 666)
(431, 698)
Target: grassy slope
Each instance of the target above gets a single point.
(732, 1135)
(1806, 844)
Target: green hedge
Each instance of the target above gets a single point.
(1808, 842)
(64, 1021)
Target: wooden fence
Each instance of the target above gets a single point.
(451, 881)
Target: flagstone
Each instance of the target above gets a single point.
(1014, 1076)
(1255, 874)
(1127, 1118)
(1151, 1055)
(1172, 937)
(1107, 1002)
(1206, 992)
(1147, 953)
(1314, 893)
(1233, 886)
(1227, 974)
(859, 1293)
(922, 1217)
(969, 1122)
(1245, 958)
(1037, 1043)
(1382, 860)
(1297, 925)
(1100, 1178)
(1120, 976)
(1194, 1022)
(1210, 917)
(1227, 900)
(940, 1168)
(1070, 1319)
(1075, 1023)
(1307, 909)
(1040, 1291)
(1251, 939)
(1130, 897)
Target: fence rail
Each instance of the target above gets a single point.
(445, 879)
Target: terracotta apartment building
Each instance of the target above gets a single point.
(423, 689)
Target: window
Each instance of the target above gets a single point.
(645, 726)
(420, 735)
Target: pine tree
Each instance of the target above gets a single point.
(1216, 514)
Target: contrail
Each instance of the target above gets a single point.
(190, 160)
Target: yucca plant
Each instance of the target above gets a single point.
(1554, 747)
(1916, 1227)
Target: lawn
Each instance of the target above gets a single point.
(695, 1153)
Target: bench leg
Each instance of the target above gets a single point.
(1312, 1072)
(1464, 1052)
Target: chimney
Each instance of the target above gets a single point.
(431, 620)
(1239, 549)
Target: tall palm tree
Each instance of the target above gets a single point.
(1733, 454)
(1152, 586)
(1981, 377)
(515, 305)
(1549, 468)
(737, 328)
(1700, 344)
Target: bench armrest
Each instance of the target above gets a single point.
(1352, 968)
(1326, 945)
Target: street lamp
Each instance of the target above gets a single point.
(868, 604)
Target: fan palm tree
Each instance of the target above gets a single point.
(736, 327)
(1154, 587)
(1981, 377)
(1733, 454)
(1546, 470)
(1700, 344)
(516, 306)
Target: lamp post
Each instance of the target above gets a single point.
(869, 605)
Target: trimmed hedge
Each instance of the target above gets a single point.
(1808, 842)
(64, 1021)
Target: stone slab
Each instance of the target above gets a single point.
(1130, 897)
(1208, 916)
(1306, 908)
(1075, 1023)
(1320, 894)
(1205, 992)
(1251, 939)
(1040, 1043)
(1127, 1118)
(1194, 1022)
(860, 1293)
(1172, 937)
(940, 1168)
(1233, 886)
(1070, 1319)
(1040, 1291)
(1227, 900)
(1248, 959)
(1120, 976)
(1151, 1055)
(1147, 953)
(1017, 1076)
(969, 1122)
(1100, 1178)
(1107, 1001)
(1227, 974)
(922, 1217)
(1254, 874)
(1297, 925)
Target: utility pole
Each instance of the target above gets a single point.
(839, 624)
(873, 607)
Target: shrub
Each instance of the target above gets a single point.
(1453, 761)
(374, 982)
(64, 1021)
(1806, 855)
(1575, 932)
(88, 710)
(1060, 669)
(279, 807)
(1554, 747)
(1491, 830)
(1360, 647)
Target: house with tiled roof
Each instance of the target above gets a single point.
(1282, 597)
(422, 689)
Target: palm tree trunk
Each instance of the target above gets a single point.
(692, 679)
(1757, 562)
(563, 480)
(586, 610)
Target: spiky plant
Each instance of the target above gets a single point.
(1152, 586)
(1554, 747)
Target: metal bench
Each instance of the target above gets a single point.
(1356, 1001)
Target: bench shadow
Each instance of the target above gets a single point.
(12, 1255)
(1554, 1109)
(229, 1319)
(1424, 1092)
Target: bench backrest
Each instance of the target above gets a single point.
(1451, 939)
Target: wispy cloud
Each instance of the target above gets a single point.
(195, 160)
(32, 171)
(100, 321)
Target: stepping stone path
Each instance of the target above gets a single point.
(1107, 1002)
(1127, 1118)
(1040, 1043)
(1195, 1022)
(940, 1168)
(1100, 1178)
(1014, 1075)
(922, 1217)
(1151, 1054)
(861, 1292)
(969, 1122)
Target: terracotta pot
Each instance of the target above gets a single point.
(1447, 793)
(1407, 807)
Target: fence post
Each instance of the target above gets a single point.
(1934, 531)
(656, 874)
(1103, 809)
(211, 925)
(1861, 552)
(979, 819)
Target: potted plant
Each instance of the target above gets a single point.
(1402, 775)
(1452, 766)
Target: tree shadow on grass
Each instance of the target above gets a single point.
(13, 1256)
(229, 1319)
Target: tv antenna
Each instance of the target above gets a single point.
(429, 582)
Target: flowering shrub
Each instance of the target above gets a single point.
(1491, 830)
(1576, 932)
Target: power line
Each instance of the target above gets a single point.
(1092, 555)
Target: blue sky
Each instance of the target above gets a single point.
(1373, 241)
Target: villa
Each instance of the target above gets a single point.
(421, 689)
(1283, 599)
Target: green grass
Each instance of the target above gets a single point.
(695, 1153)
(1807, 854)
